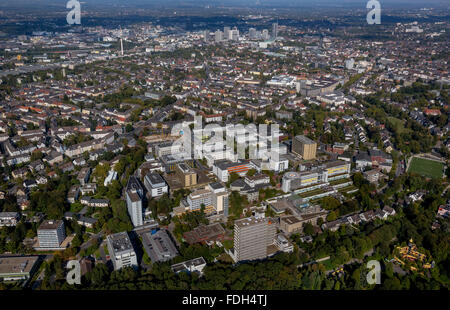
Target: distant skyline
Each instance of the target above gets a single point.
(235, 3)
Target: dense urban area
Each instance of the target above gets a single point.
(92, 168)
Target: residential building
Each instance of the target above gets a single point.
(9, 219)
(134, 196)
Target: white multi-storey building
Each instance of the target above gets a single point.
(121, 250)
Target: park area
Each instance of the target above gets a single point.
(426, 167)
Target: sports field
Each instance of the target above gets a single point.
(427, 168)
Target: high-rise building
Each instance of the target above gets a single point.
(252, 33)
(226, 33)
(252, 236)
(234, 34)
(304, 147)
(134, 195)
(51, 234)
(121, 250)
(274, 30)
(218, 36)
(265, 34)
(206, 37)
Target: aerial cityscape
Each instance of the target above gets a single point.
(224, 145)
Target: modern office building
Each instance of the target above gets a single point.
(218, 36)
(186, 175)
(18, 267)
(234, 34)
(252, 33)
(168, 148)
(121, 250)
(206, 36)
(252, 236)
(226, 33)
(304, 147)
(213, 197)
(155, 184)
(51, 234)
(274, 30)
(198, 198)
(223, 168)
(159, 246)
(134, 195)
(220, 198)
(319, 176)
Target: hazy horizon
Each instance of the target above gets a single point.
(232, 3)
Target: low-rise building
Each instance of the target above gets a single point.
(194, 265)
(9, 219)
(18, 268)
(159, 246)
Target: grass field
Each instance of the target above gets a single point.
(426, 168)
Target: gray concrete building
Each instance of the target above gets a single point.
(252, 236)
(159, 246)
(134, 195)
(121, 250)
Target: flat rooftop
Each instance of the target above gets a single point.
(187, 265)
(159, 246)
(250, 221)
(155, 178)
(204, 233)
(17, 265)
(120, 242)
(290, 220)
(304, 140)
(50, 224)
